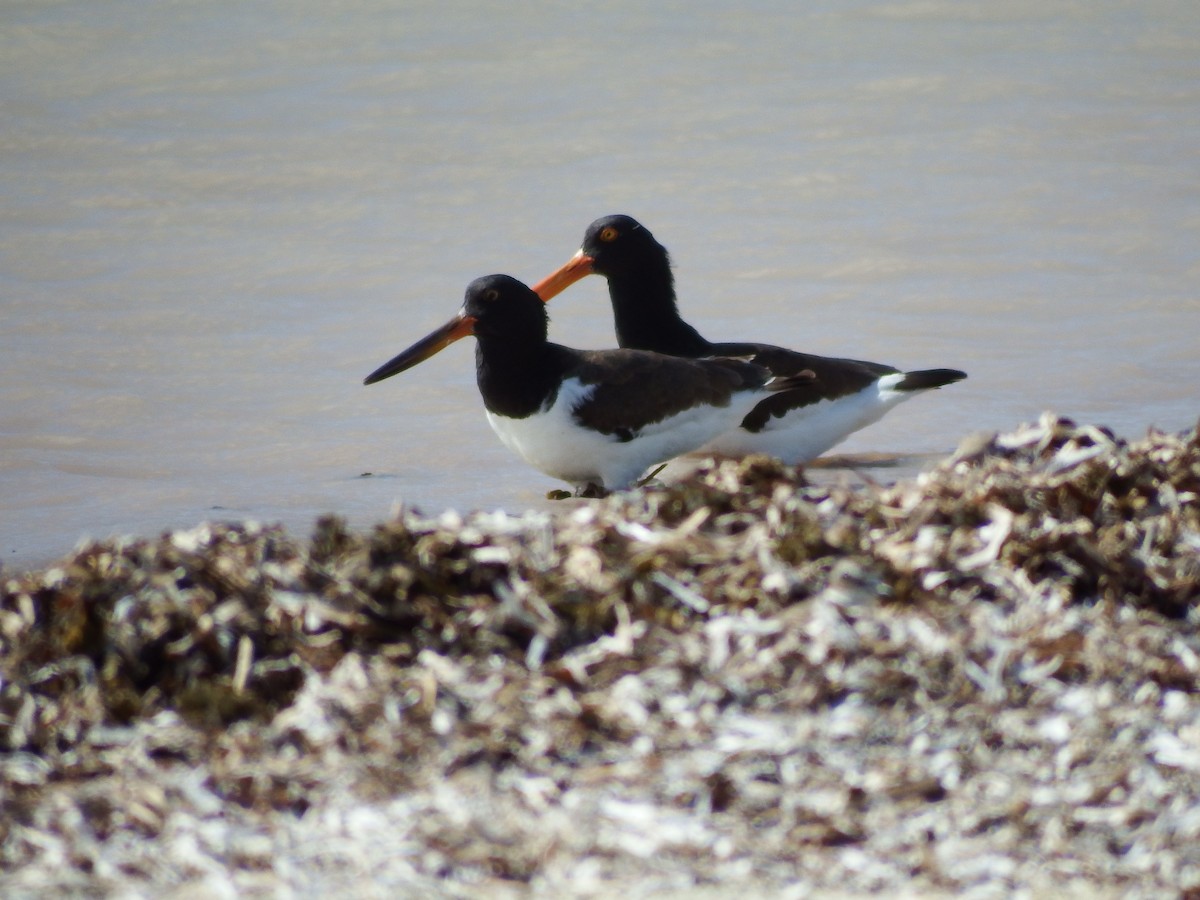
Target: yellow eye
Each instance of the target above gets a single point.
(608, 235)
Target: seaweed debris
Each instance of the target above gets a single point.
(983, 679)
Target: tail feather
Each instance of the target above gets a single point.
(924, 379)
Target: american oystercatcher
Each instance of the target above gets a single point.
(839, 397)
(595, 418)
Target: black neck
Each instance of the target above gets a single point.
(646, 316)
(516, 380)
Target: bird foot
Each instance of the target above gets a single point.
(589, 491)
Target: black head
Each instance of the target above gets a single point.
(621, 245)
(640, 286)
(499, 310)
(506, 309)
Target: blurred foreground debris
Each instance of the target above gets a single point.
(985, 678)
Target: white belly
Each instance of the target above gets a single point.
(553, 442)
(805, 433)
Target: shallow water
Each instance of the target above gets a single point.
(216, 218)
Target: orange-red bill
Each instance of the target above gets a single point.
(460, 326)
(577, 267)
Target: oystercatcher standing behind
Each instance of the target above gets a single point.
(839, 397)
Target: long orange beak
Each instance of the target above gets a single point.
(460, 326)
(577, 267)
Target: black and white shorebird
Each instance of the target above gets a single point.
(595, 418)
(839, 397)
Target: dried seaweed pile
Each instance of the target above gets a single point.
(984, 679)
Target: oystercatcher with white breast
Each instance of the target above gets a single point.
(838, 397)
(588, 417)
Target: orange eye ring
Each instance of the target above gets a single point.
(608, 234)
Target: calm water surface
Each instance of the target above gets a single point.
(216, 218)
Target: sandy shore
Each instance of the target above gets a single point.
(982, 681)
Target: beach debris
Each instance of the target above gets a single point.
(985, 678)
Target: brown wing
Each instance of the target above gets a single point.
(635, 388)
